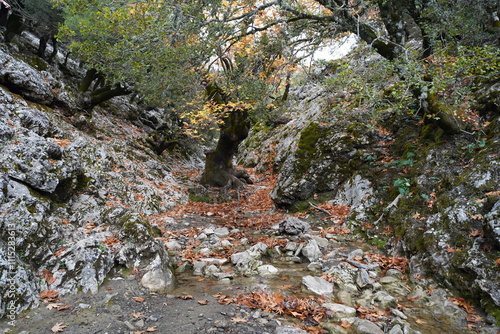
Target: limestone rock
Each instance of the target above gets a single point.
(293, 226)
(340, 311)
(363, 326)
(311, 251)
(317, 285)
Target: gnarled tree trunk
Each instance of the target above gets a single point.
(219, 169)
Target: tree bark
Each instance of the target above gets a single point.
(219, 170)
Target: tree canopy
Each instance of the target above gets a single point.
(165, 49)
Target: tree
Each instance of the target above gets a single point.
(169, 51)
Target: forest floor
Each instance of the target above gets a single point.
(200, 304)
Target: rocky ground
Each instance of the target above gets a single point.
(243, 267)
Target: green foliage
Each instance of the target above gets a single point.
(403, 185)
(43, 13)
(154, 46)
(463, 22)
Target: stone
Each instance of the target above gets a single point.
(345, 297)
(245, 263)
(396, 329)
(221, 232)
(340, 311)
(385, 299)
(363, 279)
(173, 245)
(289, 330)
(199, 267)
(344, 275)
(399, 314)
(311, 251)
(267, 270)
(332, 328)
(388, 280)
(291, 246)
(213, 271)
(317, 285)
(158, 279)
(217, 261)
(257, 250)
(363, 326)
(322, 242)
(293, 226)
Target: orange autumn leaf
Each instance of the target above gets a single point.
(62, 142)
(476, 233)
(138, 299)
(49, 294)
(493, 193)
(465, 305)
(48, 276)
(184, 297)
(474, 318)
(450, 249)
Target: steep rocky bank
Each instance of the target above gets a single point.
(412, 189)
(76, 185)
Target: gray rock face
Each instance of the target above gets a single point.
(24, 79)
(72, 205)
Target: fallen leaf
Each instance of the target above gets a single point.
(474, 318)
(497, 262)
(420, 321)
(137, 315)
(450, 249)
(184, 297)
(236, 319)
(61, 142)
(139, 299)
(53, 306)
(48, 276)
(58, 327)
(49, 294)
(152, 329)
(465, 305)
(493, 193)
(60, 251)
(476, 233)
(64, 307)
(203, 302)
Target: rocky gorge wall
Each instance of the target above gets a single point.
(76, 185)
(412, 190)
